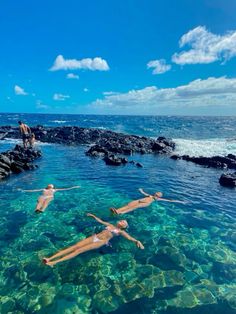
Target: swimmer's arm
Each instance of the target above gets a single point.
(66, 189)
(38, 190)
(171, 201)
(99, 220)
(128, 237)
(144, 193)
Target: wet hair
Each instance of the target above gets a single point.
(123, 221)
(20, 122)
(158, 194)
(50, 186)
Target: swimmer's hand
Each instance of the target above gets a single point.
(181, 202)
(91, 215)
(139, 245)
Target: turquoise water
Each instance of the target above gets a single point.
(189, 261)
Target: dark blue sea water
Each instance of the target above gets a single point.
(189, 262)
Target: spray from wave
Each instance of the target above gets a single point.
(206, 148)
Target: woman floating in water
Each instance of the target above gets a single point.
(47, 196)
(143, 202)
(93, 242)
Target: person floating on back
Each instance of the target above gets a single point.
(93, 242)
(25, 133)
(143, 202)
(47, 196)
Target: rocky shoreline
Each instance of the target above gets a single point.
(112, 146)
(103, 143)
(17, 160)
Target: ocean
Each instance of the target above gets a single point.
(189, 261)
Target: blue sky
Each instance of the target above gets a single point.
(118, 57)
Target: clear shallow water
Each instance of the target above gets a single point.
(188, 265)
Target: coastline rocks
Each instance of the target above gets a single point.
(219, 162)
(163, 145)
(96, 151)
(113, 142)
(228, 179)
(114, 160)
(105, 144)
(17, 160)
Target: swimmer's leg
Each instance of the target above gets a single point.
(72, 248)
(46, 203)
(39, 204)
(132, 206)
(89, 247)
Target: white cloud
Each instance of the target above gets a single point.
(96, 64)
(41, 105)
(86, 90)
(60, 97)
(159, 66)
(205, 47)
(210, 92)
(109, 93)
(72, 76)
(20, 91)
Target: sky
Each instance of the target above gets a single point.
(135, 57)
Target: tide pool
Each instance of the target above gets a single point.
(188, 265)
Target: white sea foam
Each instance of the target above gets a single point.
(206, 147)
(59, 121)
(100, 127)
(13, 141)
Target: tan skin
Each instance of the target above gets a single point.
(32, 140)
(143, 202)
(43, 201)
(24, 130)
(88, 244)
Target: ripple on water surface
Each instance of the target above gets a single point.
(188, 265)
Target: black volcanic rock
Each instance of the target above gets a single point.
(114, 160)
(228, 179)
(213, 162)
(106, 144)
(17, 160)
(96, 151)
(112, 142)
(175, 157)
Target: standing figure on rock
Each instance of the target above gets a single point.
(25, 133)
(93, 242)
(32, 140)
(47, 196)
(143, 202)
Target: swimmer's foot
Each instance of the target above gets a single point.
(113, 210)
(45, 260)
(38, 211)
(51, 264)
